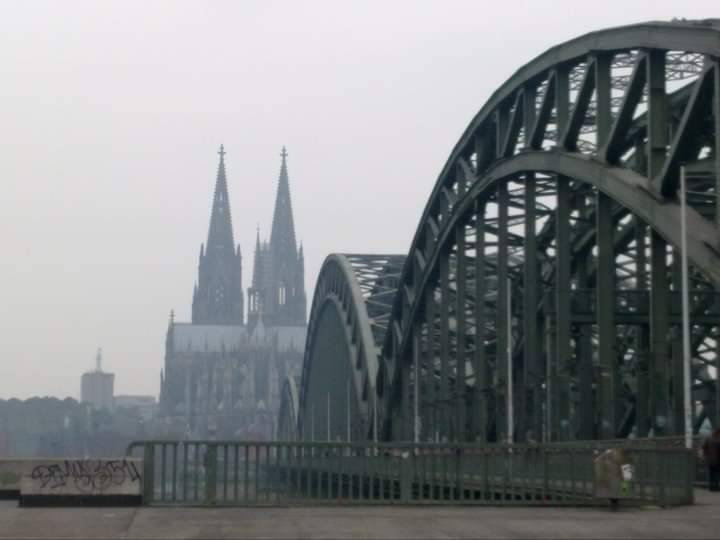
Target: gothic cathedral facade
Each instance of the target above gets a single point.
(223, 371)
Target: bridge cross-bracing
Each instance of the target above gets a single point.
(549, 250)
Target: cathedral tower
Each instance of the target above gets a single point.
(278, 287)
(218, 294)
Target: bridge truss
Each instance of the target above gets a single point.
(545, 268)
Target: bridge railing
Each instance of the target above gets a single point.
(666, 441)
(273, 473)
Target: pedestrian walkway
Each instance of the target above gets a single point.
(701, 520)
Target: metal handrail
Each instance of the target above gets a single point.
(210, 472)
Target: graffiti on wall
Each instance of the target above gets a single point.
(86, 475)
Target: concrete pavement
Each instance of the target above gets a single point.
(699, 521)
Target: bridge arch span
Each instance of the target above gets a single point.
(540, 295)
(348, 322)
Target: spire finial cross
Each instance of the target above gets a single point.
(222, 151)
(284, 153)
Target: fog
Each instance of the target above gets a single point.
(112, 115)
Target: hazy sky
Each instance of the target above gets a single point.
(112, 113)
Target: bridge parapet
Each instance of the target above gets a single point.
(280, 473)
(71, 481)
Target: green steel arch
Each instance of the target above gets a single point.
(544, 272)
(348, 322)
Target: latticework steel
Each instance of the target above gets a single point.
(548, 249)
(350, 316)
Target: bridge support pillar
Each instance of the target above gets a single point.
(608, 391)
(659, 335)
(642, 401)
(562, 357)
(148, 479)
(715, 414)
(530, 404)
(502, 315)
(480, 398)
(460, 324)
(431, 408)
(444, 399)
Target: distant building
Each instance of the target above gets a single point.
(145, 405)
(222, 376)
(97, 387)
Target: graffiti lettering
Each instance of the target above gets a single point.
(86, 475)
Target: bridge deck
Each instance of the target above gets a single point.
(699, 521)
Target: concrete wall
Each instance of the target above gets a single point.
(120, 477)
(11, 471)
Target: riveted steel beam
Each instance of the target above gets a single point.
(431, 363)
(480, 398)
(607, 355)
(642, 399)
(537, 133)
(563, 307)
(529, 400)
(501, 311)
(444, 322)
(577, 118)
(716, 151)
(686, 143)
(460, 397)
(514, 124)
(659, 334)
(603, 82)
(615, 145)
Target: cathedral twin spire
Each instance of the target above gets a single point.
(282, 236)
(277, 294)
(218, 295)
(220, 233)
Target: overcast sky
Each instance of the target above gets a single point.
(112, 113)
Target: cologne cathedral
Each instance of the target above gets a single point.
(224, 371)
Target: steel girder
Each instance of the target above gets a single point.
(545, 271)
(348, 321)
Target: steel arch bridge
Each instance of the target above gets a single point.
(545, 268)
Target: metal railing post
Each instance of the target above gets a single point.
(690, 476)
(459, 486)
(546, 475)
(211, 474)
(405, 477)
(148, 473)
(163, 470)
(174, 470)
(661, 477)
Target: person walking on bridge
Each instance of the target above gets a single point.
(711, 451)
